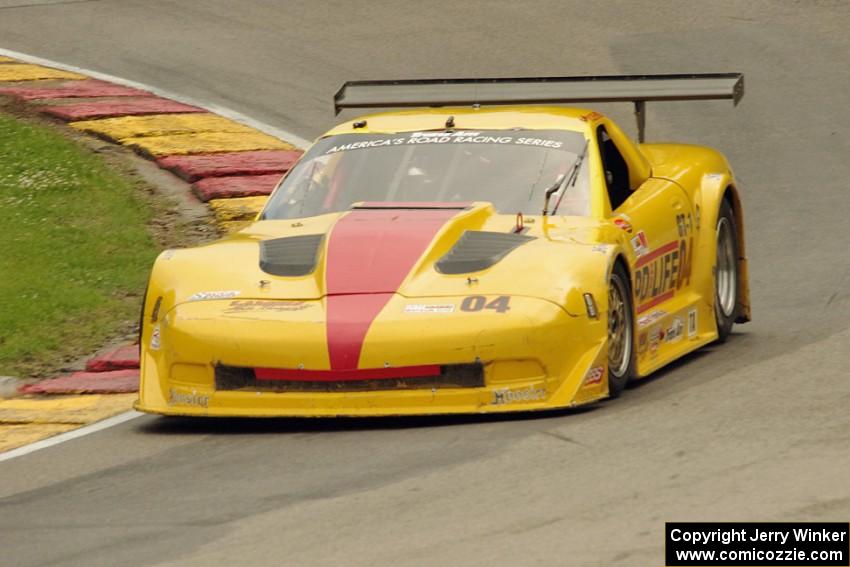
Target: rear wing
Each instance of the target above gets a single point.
(638, 89)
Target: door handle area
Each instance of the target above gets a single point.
(676, 204)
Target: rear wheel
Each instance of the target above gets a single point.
(726, 272)
(621, 359)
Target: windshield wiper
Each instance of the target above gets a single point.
(569, 179)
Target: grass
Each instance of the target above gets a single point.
(75, 249)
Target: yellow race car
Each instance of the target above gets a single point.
(486, 251)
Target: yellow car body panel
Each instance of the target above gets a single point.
(515, 336)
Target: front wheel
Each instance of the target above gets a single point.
(726, 272)
(621, 357)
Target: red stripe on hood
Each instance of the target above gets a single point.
(370, 252)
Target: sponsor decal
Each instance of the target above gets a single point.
(684, 224)
(507, 396)
(432, 134)
(660, 273)
(655, 335)
(642, 343)
(456, 137)
(640, 245)
(538, 142)
(155, 338)
(254, 305)
(594, 375)
(623, 224)
(192, 398)
(714, 176)
(692, 323)
(601, 248)
(202, 295)
(366, 144)
(650, 318)
(426, 308)
(675, 331)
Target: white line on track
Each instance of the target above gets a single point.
(214, 108)
(221, 110)
(69, 435)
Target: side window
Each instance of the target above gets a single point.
(616, 170)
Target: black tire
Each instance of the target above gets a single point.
(726, 280)
(621, 368)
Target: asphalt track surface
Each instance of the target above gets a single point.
(758, 429)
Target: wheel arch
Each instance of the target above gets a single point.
(621, 259)
(731, 196)
(713, 190)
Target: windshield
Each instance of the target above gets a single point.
(510, 168)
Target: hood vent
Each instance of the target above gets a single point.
(477, 250)
(290, 256)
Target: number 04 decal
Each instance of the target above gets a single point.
(500, 304)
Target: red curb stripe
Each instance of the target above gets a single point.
(123, 357)
(115, 382)
(108, 109)
(236, 186)
(89, 88)
(258, 162)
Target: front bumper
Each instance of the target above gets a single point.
(534, 356)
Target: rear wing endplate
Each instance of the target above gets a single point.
(638, 89)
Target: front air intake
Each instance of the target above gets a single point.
(404, 378)
(477, 250)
